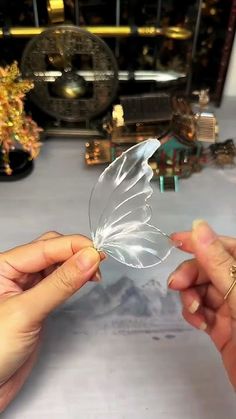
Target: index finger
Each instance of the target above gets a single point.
(186, 244)
(187, 274)
(39, 255)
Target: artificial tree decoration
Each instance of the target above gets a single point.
(15, 125)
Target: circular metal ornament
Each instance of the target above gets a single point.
(68, 45)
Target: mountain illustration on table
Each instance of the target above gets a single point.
(125, 299)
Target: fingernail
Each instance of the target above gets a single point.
(177, 243)
(197, 223)
(87, 258)
(98, 276)
(103, 256)
(202, 232)
(194, 307)
(170, 280)
(203, 326)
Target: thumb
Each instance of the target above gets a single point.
(213, 258)
(56, 288)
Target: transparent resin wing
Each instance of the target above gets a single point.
(119, 213)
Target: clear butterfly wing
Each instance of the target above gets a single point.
(139, 246)
(119, 212)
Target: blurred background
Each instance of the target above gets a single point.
(163, 46)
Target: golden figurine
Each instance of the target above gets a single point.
(15, 125)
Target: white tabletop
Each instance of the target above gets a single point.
(120, 350)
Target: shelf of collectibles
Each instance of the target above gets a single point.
(182, 128)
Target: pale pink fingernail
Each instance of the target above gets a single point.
(98, 276)
(203, 326)
(170, 280)
(202, 232)
(194, 307)
(87, 259)
(103, 256)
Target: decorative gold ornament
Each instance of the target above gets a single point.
(118, 116)
(15, 125)
(172, 32)
(70, 86)
(98, 152)
(56, 11)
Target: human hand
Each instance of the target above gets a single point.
(203, 283)
(35, 279)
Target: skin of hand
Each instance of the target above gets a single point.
(203, 282)
(35, 279)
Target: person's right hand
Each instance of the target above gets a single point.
(203, 282)
(36, 278)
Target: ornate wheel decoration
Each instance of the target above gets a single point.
(74, 73)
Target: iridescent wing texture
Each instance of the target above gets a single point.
(119, 213)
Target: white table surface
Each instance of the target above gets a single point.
(105, 360)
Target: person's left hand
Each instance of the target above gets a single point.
(34, 279)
